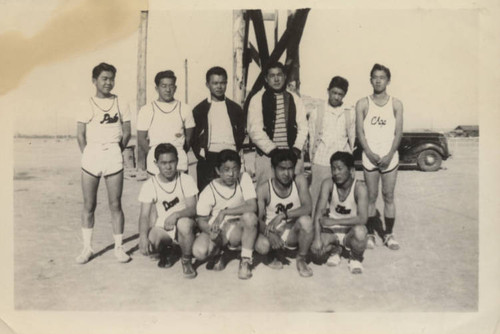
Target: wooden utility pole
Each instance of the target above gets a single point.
(292, 60)
(141, 74)
(186, 80)
(238, 50)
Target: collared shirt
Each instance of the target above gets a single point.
(280, 132)
(256, 124)
(333, 135)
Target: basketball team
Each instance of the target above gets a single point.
(279, 214)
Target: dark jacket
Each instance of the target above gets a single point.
(200, 115)
(269, 115)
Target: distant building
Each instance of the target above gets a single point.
(466, 131)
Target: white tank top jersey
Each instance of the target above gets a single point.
(105, 125)
(166, 124)
(380, 126)
(170, 198)
(346, 209)
(279, 204)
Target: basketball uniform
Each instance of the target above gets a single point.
(278, 204)
(168, 197)
(380, 126)
(342, 209)
(216, 197)
(165, 123)
(102, 155)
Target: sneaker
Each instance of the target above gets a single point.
(303, 268)
(274, 263)
(333, 260)
(370, 244)
(121, 255)
(390, 242)
(85, 255)
(187, 268)
(245, 270)
(355, 267)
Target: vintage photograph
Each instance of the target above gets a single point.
(246, 160)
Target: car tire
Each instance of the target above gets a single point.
(429, 160)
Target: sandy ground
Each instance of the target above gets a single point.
(436, 268)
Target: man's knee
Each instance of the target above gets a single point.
(262, 245)
(89, 207)
(115, 205)
(249, 220)
(306, 223)
(388, 196)
(360, 232)
(200, 251)
(185, 226)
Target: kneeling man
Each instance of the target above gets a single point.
(284, 212)
(341, 214)
(174, 195)
(227, 215)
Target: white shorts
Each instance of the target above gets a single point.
(172, 233)
(102, 160)
(181, 166)
(369, 167)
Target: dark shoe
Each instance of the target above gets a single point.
(165, 261)
(245, 270)
(187, 268)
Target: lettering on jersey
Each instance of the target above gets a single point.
(281, 208)
(172, 203)
(340, 209)
(377, 120)
(109, 120)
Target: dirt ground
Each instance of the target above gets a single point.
(436, 268)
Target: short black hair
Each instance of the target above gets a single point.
(345, 157)
(276, 64)
(216, 70)
(103, 67)
(228, 155)
(164, 75)
(165, 148)
(339, 82)
(279, 155)
(378, 67)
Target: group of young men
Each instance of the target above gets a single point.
(333, 216)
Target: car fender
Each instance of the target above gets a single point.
(427, 146)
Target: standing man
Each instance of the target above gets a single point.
(285, 213)
(276, 119)
(174, 196)
(165, 120)
(379, 125)
(227, 215)
(332, 128)
(341, 214)
(219, 125)
(103, 131)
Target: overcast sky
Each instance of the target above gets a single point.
(432, 55)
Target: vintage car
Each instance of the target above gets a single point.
(424, 149)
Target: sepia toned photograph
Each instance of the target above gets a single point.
(306, 162)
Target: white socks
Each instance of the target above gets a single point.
(87, 237)
(118, 240)
(246, 253)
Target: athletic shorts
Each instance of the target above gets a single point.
(284, 229)
(339, 231)
(102, 160)
(172, 233)
(369, 167)
(181, 166)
